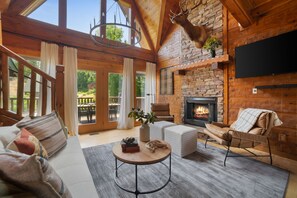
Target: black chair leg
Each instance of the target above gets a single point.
(269, 151)
(206, 141)
(228, 149)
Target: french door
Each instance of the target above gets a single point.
(99, 95)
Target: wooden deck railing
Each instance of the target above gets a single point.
(45, 79)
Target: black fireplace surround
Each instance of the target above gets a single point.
(200, 110)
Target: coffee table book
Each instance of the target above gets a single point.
(130, 148)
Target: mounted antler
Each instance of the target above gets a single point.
(197, 34)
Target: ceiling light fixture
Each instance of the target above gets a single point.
(98, 31)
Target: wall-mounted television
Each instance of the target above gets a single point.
(276, 55)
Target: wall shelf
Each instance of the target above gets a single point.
(219, 59)
(276, 86)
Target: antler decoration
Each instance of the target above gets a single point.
(197, 34)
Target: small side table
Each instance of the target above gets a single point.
(144, 157)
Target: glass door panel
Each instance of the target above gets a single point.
(114, 95)
(140, 90)
(86, 96)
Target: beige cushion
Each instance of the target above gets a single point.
(256, 131)
(218, 131)
(33, 173)
(263, 120)
(26, 143)
(48, 130)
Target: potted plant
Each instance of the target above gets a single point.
(211, 44)
(144, 119)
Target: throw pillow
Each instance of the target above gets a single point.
(33, 173)
(7, 134)
(27, 143)
(48, 130)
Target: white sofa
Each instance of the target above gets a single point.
(69, 163)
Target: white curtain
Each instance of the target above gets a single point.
(150, 86)
(70, 89)
(127, 99)
(49, 60)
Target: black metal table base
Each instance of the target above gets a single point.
(136, 191)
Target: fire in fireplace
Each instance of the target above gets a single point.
(200, 110)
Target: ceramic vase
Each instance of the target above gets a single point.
(144, 133)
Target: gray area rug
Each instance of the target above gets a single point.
(200, 174)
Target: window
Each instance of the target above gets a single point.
(81, 13)
(166, 82)
(114, 95)
(86, 96)
(119, 14)
(47, 12)
(140, 90)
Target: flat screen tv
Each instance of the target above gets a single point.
(276, 55)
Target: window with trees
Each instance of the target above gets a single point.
(140, 89)
(86, 96)
(114, 95)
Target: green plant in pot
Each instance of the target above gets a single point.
(144, 119)
(211, 44)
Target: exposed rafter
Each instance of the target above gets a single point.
(241, 11)
(4, 5)
(161, 20)
(142, 24)
(17, 7)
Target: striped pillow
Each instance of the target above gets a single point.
(27, 143)
(48, 130)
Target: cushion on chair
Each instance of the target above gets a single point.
(256, 131)
(263, 120)
(218, 131)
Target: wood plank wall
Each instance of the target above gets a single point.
(283, 101)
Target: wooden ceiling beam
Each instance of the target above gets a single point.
(267, 6)
(142, 25)
(4, 5)
(160, 28)
(18, 6)
(241, 11)
(23, 26)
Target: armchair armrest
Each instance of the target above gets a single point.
(222, 125)
(247, 136)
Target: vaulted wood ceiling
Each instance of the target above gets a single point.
(154, 14)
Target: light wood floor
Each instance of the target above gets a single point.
(110, 136)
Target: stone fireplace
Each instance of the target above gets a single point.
(200, 110)
(202, 90)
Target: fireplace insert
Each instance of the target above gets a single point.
(200, 110)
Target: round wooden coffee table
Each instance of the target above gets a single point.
(143, 157)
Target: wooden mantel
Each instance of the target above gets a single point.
(219, 59)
